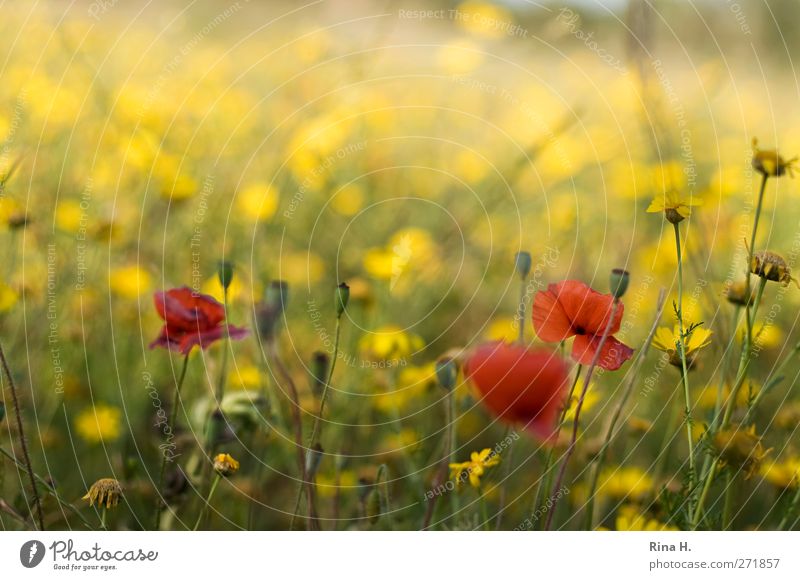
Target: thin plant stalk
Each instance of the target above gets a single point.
(547, 473)
(273, 359)
(316, 428)
(576, 420)
(207, 503)
(744, 361)
(49, 489)
(176, 397)
(224, 363)
(792, 509)
(23, 442)
(501, 502)
(681, 346)
(630, 380)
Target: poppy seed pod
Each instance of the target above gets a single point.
(225, 273)
(618, 282)
(446, 373)
(522, 262)
(268, 312)
(342, 297)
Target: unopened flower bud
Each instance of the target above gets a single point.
(446, 373)
(522, 262)
(277, 296)
(373, 507)
(225, 273)
(268, 312)
(618, 282)
(342, 297)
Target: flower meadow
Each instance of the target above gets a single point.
(375, 266)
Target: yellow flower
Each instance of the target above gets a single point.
(327, 485)
(378, 263)
(676, 206)
(348, 200)
(589, 401)
(741, 448)
(106, 491)
(390, 342)
(665, 340)
(130, 281)
(257, 202)
(624, 482)
(630, 520)
(100, 423)
(475, 467)
(8, 297)
(769, 163)
(770, 266)
(225, 465)
(246, 377)
(485, 19)
(69, 216)
(504, 328)
(213, 287)
(784, 475)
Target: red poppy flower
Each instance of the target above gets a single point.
(520, 385)
(571, 308)
(191, 319)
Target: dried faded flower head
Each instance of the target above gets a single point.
(225, 465)
(769, 163)
(741, 448)
(771, 266)
(104, 492)
(736, 293)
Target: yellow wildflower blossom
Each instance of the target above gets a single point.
(475, 468)
(99, 424)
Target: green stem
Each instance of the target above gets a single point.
(316, 428)
(521, 311)
(23, 442)
(455, 504)
(554, 495)
(744, 361)
(103, 519)
(49, 489)
(547, 472)
(791, 511)
(226, 345)
(728, 504)
(630, 381)
(207, 503)
(172, 420)
(681, 345)
(484, 510)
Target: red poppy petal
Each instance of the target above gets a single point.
(519, 385)
(549, 318)
(209, 337)
(612, 357)
(587, 309)
(182, 309)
